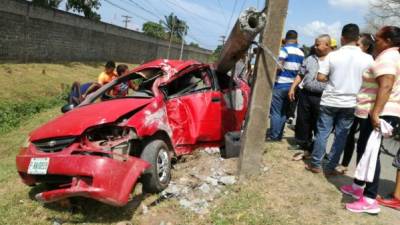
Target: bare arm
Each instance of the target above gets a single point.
(292, 90)
(322, 78)
(385, 83)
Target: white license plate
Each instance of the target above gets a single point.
(38, 166)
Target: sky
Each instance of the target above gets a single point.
(208, 20)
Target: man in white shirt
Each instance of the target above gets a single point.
(342, 70)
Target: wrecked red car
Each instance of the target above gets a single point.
(101, 148)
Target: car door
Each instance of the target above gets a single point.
(194, 107)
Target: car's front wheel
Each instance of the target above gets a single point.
(157, 177)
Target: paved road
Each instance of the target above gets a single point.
(388, 172)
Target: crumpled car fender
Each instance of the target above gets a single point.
(104, 179)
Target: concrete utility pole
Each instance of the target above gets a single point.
(170, 37)
(223, 39)
(126, 20)
(183, 43)
(253, 139)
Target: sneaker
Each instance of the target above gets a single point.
(391, 202)
(356, 193)
(362, 206)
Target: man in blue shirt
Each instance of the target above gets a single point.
(291, 57)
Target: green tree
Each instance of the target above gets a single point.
(154, 30)
(86, 7)
(215, 55)
(47, 3)
(194, 44)
(174, 26)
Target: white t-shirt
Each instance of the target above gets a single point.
(344, 68)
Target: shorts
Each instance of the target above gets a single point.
(396, 160)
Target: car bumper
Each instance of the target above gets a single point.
(104, 179)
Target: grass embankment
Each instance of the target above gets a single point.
(27, 89)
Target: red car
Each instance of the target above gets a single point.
(102, 147)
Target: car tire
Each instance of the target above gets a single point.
(157, 177)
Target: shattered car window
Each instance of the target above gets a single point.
(194, 81)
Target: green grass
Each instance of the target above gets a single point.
(27, 89)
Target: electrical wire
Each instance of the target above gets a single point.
(222, 10)
(195, 13)
(123, 9)
(230, 19)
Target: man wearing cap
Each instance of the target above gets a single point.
(291, 58)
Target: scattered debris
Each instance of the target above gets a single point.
(228, 180)
(199, 182)
(212, 150)
(145, 209)
(57, 221)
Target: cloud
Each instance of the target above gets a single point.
(317, 27)
(350, 4)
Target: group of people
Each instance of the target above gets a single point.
(340, 91)
(111, 72)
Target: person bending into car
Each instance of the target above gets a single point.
(122, 89)
(104, 77)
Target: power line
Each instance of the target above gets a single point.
(145, 19)
(142, 8)
(230, 19)
(222, 10)
(148, 2)
(241, 8)
(195, 13)
(123, 9)
(126, 20)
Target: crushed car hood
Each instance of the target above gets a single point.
(76, 121)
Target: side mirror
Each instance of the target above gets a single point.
(67, 107)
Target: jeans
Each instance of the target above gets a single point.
(306, 120)
(329, 117)
(278, 113)
(351, 142)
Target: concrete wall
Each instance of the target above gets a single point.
(34, 34)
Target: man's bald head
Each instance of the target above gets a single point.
(324, 38)
(323, 45)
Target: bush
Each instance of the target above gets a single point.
(13, 113)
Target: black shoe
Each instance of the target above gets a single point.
(269, 139)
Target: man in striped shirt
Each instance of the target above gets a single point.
(291, 58)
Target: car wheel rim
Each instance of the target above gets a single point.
(163, 165)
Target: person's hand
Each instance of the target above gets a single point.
(375, 120)
(291, 95)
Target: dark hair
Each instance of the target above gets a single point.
(121, 68)
(291, 35)
(391, 34)
(368, 39)
(351, 32)
(110, 64)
